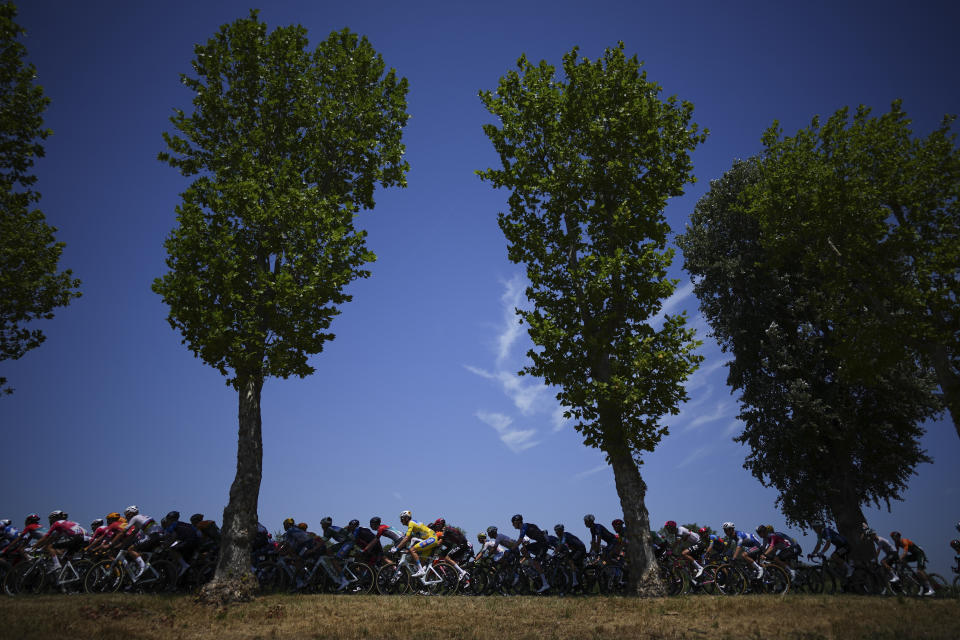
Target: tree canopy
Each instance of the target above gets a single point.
(286, 145)
(590, 159)
(31, 287)
(827, 442)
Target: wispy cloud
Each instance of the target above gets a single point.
(517, 440)
(559, 422)
(672, 304)
(510, 300)
(590, 472)
(721, 410)
(527, 394)
(733, 427)
(702, 375)
(694, 455)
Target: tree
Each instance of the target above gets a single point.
(30, 286)
(873, 213)
(829, 444)
(590, 161)
(287, 145)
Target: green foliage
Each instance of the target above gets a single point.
(287, 145)
(826, 441)
(872, 213)
(590, 160)
(30, 286)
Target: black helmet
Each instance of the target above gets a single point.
(96, 524)
(492, 531)
(558, 528)
(375, 522)
(516, 518)
(326, 522)
(589, 519)
(173, 516)
(57, 515)
(195, 518)
(353, 524)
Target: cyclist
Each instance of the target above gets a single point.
(453, 545)
(598, 534)
(63, 536)
(955, 545)
(138, 523)
(8, 533)
(209, 531)
(381, 530)
(716, 545)
(340, 541)
(689, 542)
(181, 539)
(364, 538)
(910, 551)
(827, 536)
(535, 550)
(575, 550)
(889, 552)
(301, 546)
(505, 544)
(420, 538)
(116, 524)
(742, 545)
(781, 549)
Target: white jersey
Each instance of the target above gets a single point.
(505, 541)
(691, 538)
(492, 547)
(143, 523)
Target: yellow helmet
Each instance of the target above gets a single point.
(113, 517)
(289, 522)
(302, 525)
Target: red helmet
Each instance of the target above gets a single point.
(33, 518)
(702, 531)
(438, 524)
(617, 524)
(669, 524)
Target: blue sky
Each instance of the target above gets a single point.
(416, 404)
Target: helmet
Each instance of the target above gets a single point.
(895, 535)
(762, 530)
(353, 524)
(956, 545)
(481, 536)
(57, 515)
(375, 522)
(173, 516)
(195, 518)
(669, 524)
(131, 511)
(617, 524)
(869, 533)
(326, 522)
(96, 524)
(405, 514)
(438, 524)
(6, 522)
(702, 531)
(302, 526)
(492, 531)
(516, 518)
(288, 522)
(728, 525)
(558, 528)
(958, 526)
(113, 517)
(33, 518)
(589, 518)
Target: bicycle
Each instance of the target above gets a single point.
(110, 575)
(438, 577)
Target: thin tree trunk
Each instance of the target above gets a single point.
(233, 579)
(644, 574)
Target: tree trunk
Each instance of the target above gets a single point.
(644, 573)
(233, 580)
(845, 506)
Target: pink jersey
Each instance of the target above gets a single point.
(65, 528)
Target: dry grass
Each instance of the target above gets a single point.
(343, 617)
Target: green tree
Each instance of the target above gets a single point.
(30, 286)
(828, 444)
(287, 145)
(873, 213)
(590, 161)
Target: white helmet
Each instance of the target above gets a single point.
(406, 514)
(728, 525)
(131, 511)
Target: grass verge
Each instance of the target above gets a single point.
(348, 617)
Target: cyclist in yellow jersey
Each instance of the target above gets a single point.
(428, 539)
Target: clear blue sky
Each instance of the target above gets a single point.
(415, 405)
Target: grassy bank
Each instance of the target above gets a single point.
(166, 618)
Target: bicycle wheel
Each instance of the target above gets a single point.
(675, 581)
(940, 587)
(159, 576)
(392, 580)
(360, 577)
(863, 582)
(728, 581)
(271, 577)
(197, 575)
(909, 584)
(775, 580)
(32, 578)
(105, 576)
(558, 579)
(590, 580)
(70, 578)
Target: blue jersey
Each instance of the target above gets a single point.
(573, 542)
(599, 532)
(531, 531)
(340, 536)
(832, 537)
(746, 540)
